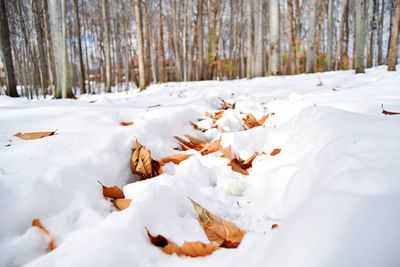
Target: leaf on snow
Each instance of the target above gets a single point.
(274, 226)
(112, 192)
(227, 105)
(192, 249)
(197, 127)
(52, 243)
(241, 166)
(122, 203)
(126, 123)
(227, 152)
(142, 164)
(34, 135)
(223, 233)
(389, 112)
(176, 159)
(276, 151)
(211, 147)
(186, 145)
(195, 140)
(250, 121)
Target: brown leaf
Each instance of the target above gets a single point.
(34, 135)
(196, 127)
(195, 140)
(126, 123)
(218, 115)
(186, 145)
(211, 147)
(227, 152)
(218, 231)
(263, 119)
(250, 121)
(227, 105)
(52, 243)
(192, 249)
(389, 112)
(276, 151)
(237, 166)
(176, 159)
(112, 192)
(249, 162)
(274, 226)
(142, 164)
(122, 203)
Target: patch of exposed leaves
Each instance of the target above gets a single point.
(34, 135)
(51, 242)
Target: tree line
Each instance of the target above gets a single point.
(62, 48)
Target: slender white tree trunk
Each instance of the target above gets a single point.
(258, 36)
(274, 58)
(360, 35)
(310, 65)
(140, 41)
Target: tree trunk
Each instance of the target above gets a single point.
(161, 56)
(330, 33)
(250, 39)
(274, 58)
(310, 66)
(258, 39)
(360, 36)
(380, 33)
(80, 54)
(370, 58)
(291, 39)
(49, 45)
(139, 37)
(6, 49)
(147, 43)
(392, 53)
(200, 41)
(106, 21)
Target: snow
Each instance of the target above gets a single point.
(334, 189)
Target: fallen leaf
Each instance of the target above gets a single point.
(274, 226)
(195, 140)
(249, 162)
(126, 123)
(186, 145)
(196, 127)
(250, 121)
(218, 115)
(227, 152)
(122, 203)
(227, 105)
(34, 135)
(176, 159)
(52, 243)
(276, 151)
(211, 147)
(142, 164)
(192, 249)
(237, 166)
(223, 233)
(389, 112)
(263, 119)
(112, 192)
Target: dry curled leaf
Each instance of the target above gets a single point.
(276, 151)
(176, 159)
(263, 119)
(122, 203)
(227, 105)
(126, 123)
(195, 140)
(274, 226)
(52, 243)
(211, 147)
(218, 115)
(34, 135)
(192, 249)
(220, 232)
(142, 164)
(112, 192)
(241, 166)
(250, 121)
(197, 127)
(389, 112)
(186, 145)
(227, 152)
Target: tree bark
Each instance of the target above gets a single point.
(330, 33)
(250, 39)
(291, 38)
(258, 39)
(161, 56)
(310, 65)
(106, 21)
(392, 53)
(80, 54)
(380, 33)
(6, 48)
(274, 59)
(360, 36)
(139, 37)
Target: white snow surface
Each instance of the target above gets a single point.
(334, 189)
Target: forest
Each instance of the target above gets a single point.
(65, 48)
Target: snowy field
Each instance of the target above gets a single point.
(334, 189)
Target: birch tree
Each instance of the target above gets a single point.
(140, 43)
(310, 65)
(274, 58)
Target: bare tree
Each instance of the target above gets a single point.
(360, 36)
(274, 48)
(330, 33)
(80, 53)
(392, 53)
(140, 41)
(310, 67)
(106, 21)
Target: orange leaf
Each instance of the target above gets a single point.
(192, 249)
(237, 166)
(250, 121)
(195, 140)
(223, 233)
(112, 192)
(142, 164)
(226, 105)
(276, 151)
(218, 115)
(274, 226)
(211, 147)
(176, 159)
(249, 162)
(196, 127)
(227, 152)
(389, 112)
(263, 119)
(52, 243)
(122, 203)
(34, 135)
(126, 123)
(186, 145)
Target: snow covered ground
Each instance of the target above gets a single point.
(334, 189)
